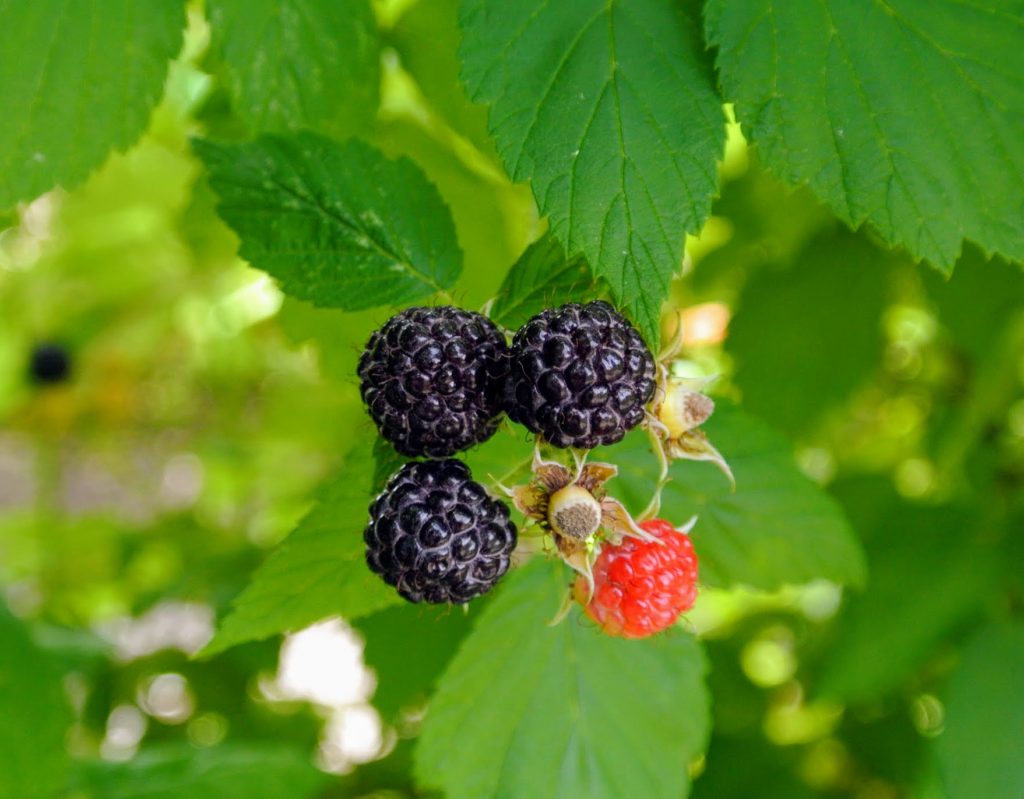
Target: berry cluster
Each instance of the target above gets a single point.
(436, 381)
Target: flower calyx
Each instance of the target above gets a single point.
(571, 505)
(679, 408)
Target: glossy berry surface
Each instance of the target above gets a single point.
(641, 587)
(438, 536)
(580, 375)
(431, 379)
(49, 363)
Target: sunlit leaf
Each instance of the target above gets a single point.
(293, 64)
(609, 110)
(77, 80)
(903, 114)
(337, 224)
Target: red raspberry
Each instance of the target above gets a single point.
(641, 587)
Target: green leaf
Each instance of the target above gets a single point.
(408, 647)
(34, 718)
(981, 751)
(792, 327)
(337, 224)
(609, 110)
(231, 771)
(77, 80)
(386, 461)
(494, 219)
(318, 571)
(426, 38)
(294, 64)
(542, 277)
(529, 710)
(927, 159)
(777, 527)
(919, 592)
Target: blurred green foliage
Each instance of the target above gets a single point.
(862, 608)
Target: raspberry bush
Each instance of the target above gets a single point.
(477, 398)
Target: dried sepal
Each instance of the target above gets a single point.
(695, 446)
(593, 476)
(580, 556)
(529, 499)
(619, 524)
(680, 409)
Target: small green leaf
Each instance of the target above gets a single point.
(777, 527)
(77, 80)
(528, 710)
(542, 277)
(34, 718)
(230, 771)
(981, 751)
(918, 594)
(318, 571)
(294, 64)
(339, 225)
(928, 159)
(609, 110)
(793, 327)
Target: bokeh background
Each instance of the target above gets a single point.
(203, 408)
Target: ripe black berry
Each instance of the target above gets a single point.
(436, 535)
(580, 376)
(50, 363)
(431, 378)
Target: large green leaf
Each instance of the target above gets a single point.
(529, 710)
(793, 327)
(981, 751)
(294, 64)
(426, 38)
(337, 224)
(777, 527)
(77, 80)
(928, 575)
(904, 114)
(976, 304)
(33, 717)
(542, 277)
(609, 110)
(234, 771)
(408, 646)
(318, 571)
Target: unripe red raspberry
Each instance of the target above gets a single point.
(642, 587)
